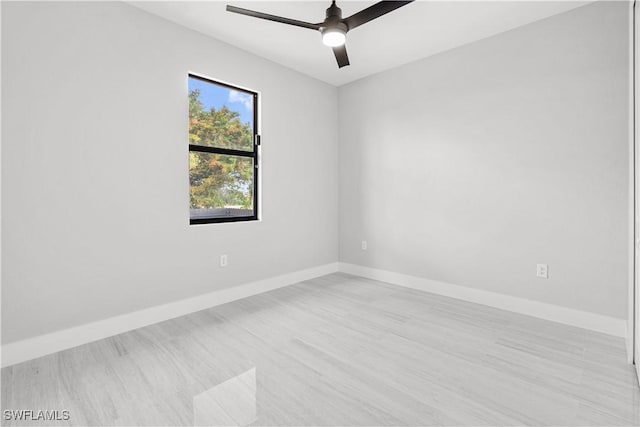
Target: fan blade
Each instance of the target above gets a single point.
(274, 18)
(341, 56)
(373, 12)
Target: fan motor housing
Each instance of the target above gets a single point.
(334, 26)
(334, 11)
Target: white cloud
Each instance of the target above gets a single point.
(242, 98)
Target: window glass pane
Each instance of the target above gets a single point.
(220, 116)
(220, 185)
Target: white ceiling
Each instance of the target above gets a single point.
(410, 33)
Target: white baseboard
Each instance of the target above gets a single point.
(568, 316)
(629, 340)
(31, 348)
(42, 345)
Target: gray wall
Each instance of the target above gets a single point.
(472, 166)
(95, 167)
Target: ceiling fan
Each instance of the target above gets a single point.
(334, 28)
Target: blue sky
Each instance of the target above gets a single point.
(213, 95)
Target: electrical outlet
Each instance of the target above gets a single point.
(542, 270)
(364, 245)
(223, 261)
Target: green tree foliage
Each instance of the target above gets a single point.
(218, 180)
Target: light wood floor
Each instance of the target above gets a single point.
(337, 350)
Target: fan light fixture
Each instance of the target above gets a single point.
(334, 37)
(334, 28)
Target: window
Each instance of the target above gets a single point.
(223, 152)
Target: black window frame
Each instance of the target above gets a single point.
(231, 152)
